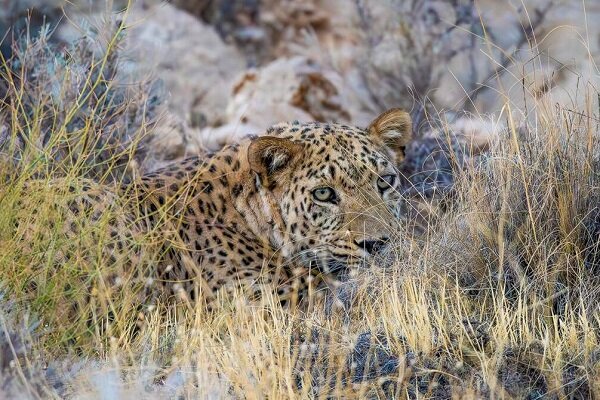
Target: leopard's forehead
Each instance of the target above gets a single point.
(316, 132)
(333, 147)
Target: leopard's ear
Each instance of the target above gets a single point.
(269, 155)
(394, 128)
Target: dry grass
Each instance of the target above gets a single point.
(499, 299)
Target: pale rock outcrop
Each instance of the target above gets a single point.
(197, 68)
(285, 90)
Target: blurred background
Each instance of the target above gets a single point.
(218, 70)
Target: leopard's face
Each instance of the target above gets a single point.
(343, 209)
(337, 191)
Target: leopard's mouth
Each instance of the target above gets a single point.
(328, 265)
(337, 266)
(333, 262)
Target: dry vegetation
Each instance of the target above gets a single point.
(498, 298)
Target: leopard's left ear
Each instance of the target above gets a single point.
(269, 155)
(394, 128)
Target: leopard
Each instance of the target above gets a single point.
(284, 210)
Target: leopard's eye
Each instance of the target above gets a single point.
(386, 181)
(325, 194)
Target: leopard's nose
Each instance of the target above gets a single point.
(373, 246)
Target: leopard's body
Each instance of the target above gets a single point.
(303, 200)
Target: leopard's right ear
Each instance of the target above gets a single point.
(268, 155)
(394, 128)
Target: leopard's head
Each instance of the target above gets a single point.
(331, 191)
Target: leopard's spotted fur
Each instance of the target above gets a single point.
(250, 215)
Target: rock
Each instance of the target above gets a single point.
(285, 90)
(197, 68)
(267, 30)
